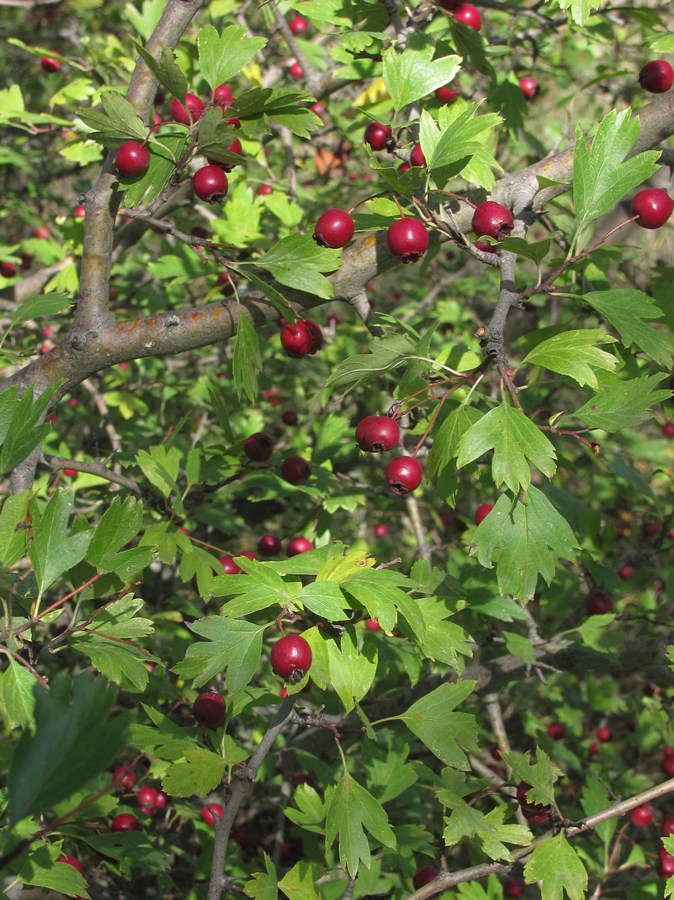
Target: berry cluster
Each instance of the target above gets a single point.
(375, 434)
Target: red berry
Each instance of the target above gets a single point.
(146, 797)
(381, 530)
(211, 812)
(665, 863)
(417, 157)
(125, 822)
(593, 748)
(269, 545)
(295, 469)
(209, 709)
(334, 229)
(189, 111)
(229, 566)
(223, 96)
(43, 232)
(667, 827)
(482, 512)
(404, 474)
(210, 184)
(668, 429)
(161, 800)
(556, 731)
(529, 87)
(49, 64)
(468, 14)
(536, 813)
(264, 190)
(72, 861)
(372, 625)
(657, 76)
(598, 603)
(298, 339)
(299, 545)
(604, 734)
(123, 777)
(492, 220)
(625, 572)
(377, 433)
(70, 473)
(298, 25)
(132, 159)
(318, 108)
(296, 71)
(79, 212)
(512, 888)
(652, 207)
(424, 875)
(226, 284)
(407, 239)
(667, 765)
(650, 529)
(291, 657)
(404, 167)
(7, 269)
(258, 446)
(379, 136)
(449, 93)
(642, 815)
(289, 417)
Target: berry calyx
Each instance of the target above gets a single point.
(210, 184)
(404, 474)
(482, 512)
(424, 875)
(407, 239)
(125, 822)
(641, 815)
(468, 14)
(291, 657)
(299, 545)
(132, 159)
(269, 545)
(652, 207)
(258, 447)
(211, 812)
(188, 112)
(529, 87)
(209, 709)
(377, 433)
(298, 25)
(379, 136)
(492, 220)
(334, 229)
(123, 777)
(295, 469)
(417, 158)
(657, 76)
(598, 603)
(71, 861)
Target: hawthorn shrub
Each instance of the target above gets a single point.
(459, 686)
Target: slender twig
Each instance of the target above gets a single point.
(92, 468)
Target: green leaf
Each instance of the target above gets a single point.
(441, 462)
(573, 353)
(13, 522)
(215, 136)
(120, 620)
(579, 10)
(247, 359)
(515, 440)
(601, 174)
(594, 799)
(466, 822)
(446, 734)
(297, 262)
(166, 70)
(524, 540)
(298, 883)
(385, 353)
(42, 305)
(325, 599)
(624, 404)
(232, 645)
(75, 738)
(121, 522)
(534, 250)
(19, 432)
(17, 697)
(541, 775)
(627, 311)
(261, 109)
(263, 885)
(221, 56)
(413, 74)
(352, 671)
(53, 551)
(442, 640)
(122, 663)
(352, 811)
(200, 772)
(462, 138)
(277, 300)
(40, 869)
(117, 122)
(556, 865)
(161, 466)
(164, 152)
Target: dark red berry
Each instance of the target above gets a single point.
(604, 734)
(269, 545)
(665, 863)
(298, 25)
(146, 797)
(404, 474)
(468, 14)
(417, 157)
(512, 888)
(652, 207)
(529, 87)
(667, 765)
(210, 184)
(556, 731)
(258, 446)
(668, 429)
(625, 572)
(407, 239)
(424, 875)
(223, 96)
(536, 813)
(297, 339)
(123, 777)
(377, 433)
(211, 812)
(189, 111)
(295, 469)
(209, 709)
(598, 603)
(657, 76)
(291, 657)
(641, 815)
(229, 566)
(316, 335)
(318, 108)
(125, 822)
(226, 283)
(289, 417)
(334, 229)
(299, 545)
(448, 93)
(379, 136)
(49, 64)
(493, 220)
(71, 861)
(7, 269)
(132, 159)
(296, 70)
(650, 529)
(482, 512)
(372, 625)
(667, 826)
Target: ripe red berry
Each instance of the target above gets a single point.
(209, 709)
(482, 512)
(556, 731)
(264, 190)
(299, 545)
(334, 229)
(146, 797)
(318, 108)
(379, 136)
(641, 815)
(229, 566)
(123, 777)
(372, 625)
(291, 657)
(404, 167)
(667, 765)
(652, 207)
(258, 446)
(298, 25)
(468, 14)
(223, 96)
(43, 232)
(665, 863)
(529, 87)
(512, 888)
(7, 269)
(49, 64)
(625, 572)
(211, 812)
(125, 822)
(226, 283)
(189, 111)
(668, 429)
(536, 813)
(269, 545)
(70, 473)
(71, 861)
(424, 875)
(407, 239)
(161, 800)
(650, 529)
(657, 76)
(132, 158)
(417, 158)
(492, 220)
(377, 433)
(210, 184)
(289, 417)
(404, 474)
(301, 338)
(295, 469)
(667, 826)
(381, 530)
(296, 71)
(448, 93)
(604, 734)
(598, 603)
(79, 212)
